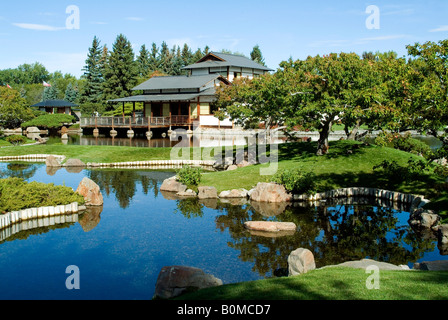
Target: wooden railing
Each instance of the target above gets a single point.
(135, 122)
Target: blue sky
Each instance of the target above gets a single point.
(33, 31)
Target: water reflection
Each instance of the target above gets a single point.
(141, 229)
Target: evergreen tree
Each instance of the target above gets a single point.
(50, 93)
(154, 58)
(256, 55)
(92, 92)
(187, 55)
(143, 62)
(197, 56)
(71, 94)
(121, 71)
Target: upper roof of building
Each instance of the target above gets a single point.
(179, 82)
(54, 104)
(218, 59)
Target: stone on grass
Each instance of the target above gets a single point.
(74, 163)
(300, 261)
(207, 193)
(270, 192)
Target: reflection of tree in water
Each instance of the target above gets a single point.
(19, 170)
(334, 235)
(123, 183)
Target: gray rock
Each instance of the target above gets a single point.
(187, 193)
(172, 185)
(440, 265)
(300, 261)
(424, 219)
(52, 161)
(235, 193)
(207, 193)
(173, 281)
(270, 192)
(365, 263)
(74, 163)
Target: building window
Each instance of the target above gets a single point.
(237, 75)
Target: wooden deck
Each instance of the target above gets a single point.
(137, 122)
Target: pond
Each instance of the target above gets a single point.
(121, 247)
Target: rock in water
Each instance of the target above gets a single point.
(52, 161)
(172, 185)
(176, 280)
(91, 192)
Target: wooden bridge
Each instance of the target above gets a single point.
(136, 122)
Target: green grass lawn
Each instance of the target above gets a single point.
(348, 164)
(336, 283)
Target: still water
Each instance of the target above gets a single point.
(121, 247)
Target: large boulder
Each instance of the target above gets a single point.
(424, 219)
(52, 161)
(173, 281)
(207, 193)
(172, 185)
(442, 236)
(439, 265)
(91, 192)
(235, 193)
(270, 226)
(270, 192)
(300, 261)
(76, 163)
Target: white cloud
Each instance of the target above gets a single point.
(440, 29)
(383, 38)
(37, 27)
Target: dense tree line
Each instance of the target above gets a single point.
(108, 73)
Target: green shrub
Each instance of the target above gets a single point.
(16, 140)
(404, 143)
(296, 181)
(49, 121)
(17, 194)
(189, 176)
(397, 173)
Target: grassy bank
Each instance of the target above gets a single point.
(348, 164)
(334, 284)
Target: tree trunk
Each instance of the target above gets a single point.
(323, 145)
(354, 133)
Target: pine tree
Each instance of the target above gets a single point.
(257, 56)
(71, 94)
(50, 93)
(187, 55)
(143, 62)
(154, 58)
(92, 92)
(121, 71)
(198, 55)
